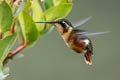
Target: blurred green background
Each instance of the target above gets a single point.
(51, 59)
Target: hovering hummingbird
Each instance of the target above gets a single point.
(74, 38)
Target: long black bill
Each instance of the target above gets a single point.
(51, 22)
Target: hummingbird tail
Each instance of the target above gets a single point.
(87, 58)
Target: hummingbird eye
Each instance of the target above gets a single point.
(65, 23)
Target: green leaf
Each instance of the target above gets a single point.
(48, 3)
(59, 11)
(25, 5)
(58, 2)
(5, 45)
(6, 17)
(28, 26)
(28, 5)
(18, 9)
(38, 15)
(20, 35)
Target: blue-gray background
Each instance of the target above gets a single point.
(51, 59)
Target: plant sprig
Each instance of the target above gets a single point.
(17, 19)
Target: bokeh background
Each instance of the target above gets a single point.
(51, 59)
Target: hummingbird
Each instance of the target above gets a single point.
(75, 39)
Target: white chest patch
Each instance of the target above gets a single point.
(86, 41)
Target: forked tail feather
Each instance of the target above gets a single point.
(88, 58)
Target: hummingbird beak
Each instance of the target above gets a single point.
(50, 22)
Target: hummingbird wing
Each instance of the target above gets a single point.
(80, 23)
(93, 33)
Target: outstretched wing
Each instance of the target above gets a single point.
(93, 33)
(80, 23)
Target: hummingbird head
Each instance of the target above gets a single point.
(62, 25)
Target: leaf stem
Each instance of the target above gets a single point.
(13, 28)
(12, 54)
